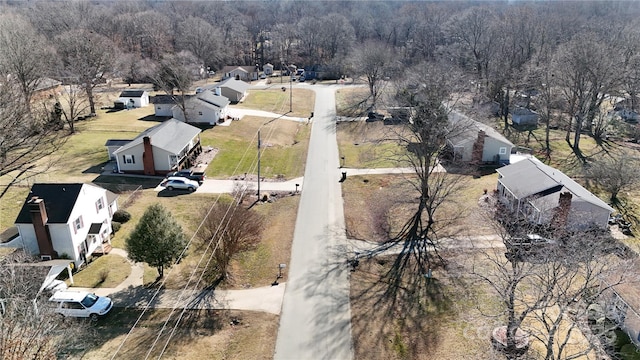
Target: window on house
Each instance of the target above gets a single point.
(503, 150)
(200, 113)
(99, 204)
(77, 224)
(129, 159)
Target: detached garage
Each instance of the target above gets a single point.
(133, 99)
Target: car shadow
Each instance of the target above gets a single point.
(173, 193)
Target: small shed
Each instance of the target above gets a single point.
(524, 117)
(137, 98)
(268, 69)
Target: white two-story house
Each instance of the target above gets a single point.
(66, 221)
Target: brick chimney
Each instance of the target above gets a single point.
(147, 157)
(478, 147)
(561, 213)
(39, 220)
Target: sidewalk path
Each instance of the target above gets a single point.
(131, 293)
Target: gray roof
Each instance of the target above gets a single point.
(530, 176)
(162, 99)
(469, 130)
(210, 98)
(235, 85)
(132, 93)
(172, 136)
(116, 142)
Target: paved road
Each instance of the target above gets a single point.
(316, 318)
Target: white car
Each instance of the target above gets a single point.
(81, 304)
(174, 182)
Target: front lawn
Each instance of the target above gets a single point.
(284, 148)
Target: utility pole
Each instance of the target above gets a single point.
(290, 95)
(258, 165)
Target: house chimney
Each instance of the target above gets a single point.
(147, 157)
(561, 213)
(39, 220)
(478, 148)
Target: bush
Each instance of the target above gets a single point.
(115, 226)
(121, 216)
(629, 352)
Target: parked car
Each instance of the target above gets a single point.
(374, 116)
(182, 183)
(54, 286)
(81, 304)
(196, 174)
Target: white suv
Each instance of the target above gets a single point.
(81, 304)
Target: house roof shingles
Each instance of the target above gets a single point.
(171, 135)
(233, 84)
(469, 130)
(530, 177)
(59, 200)
(132, 93)
(212, 99)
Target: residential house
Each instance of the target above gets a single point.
(168, 146)
(267, 69)
(113, 145)
(524, 117)
(232, 89)
(531, 190)
(163, 105)
(47, 88)
(132, 99)
(66, 221)
(477, 143)
(244, 73)
(205, 107)
(626, 108)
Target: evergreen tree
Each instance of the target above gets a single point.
(157, 240)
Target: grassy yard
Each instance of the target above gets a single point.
(275, 100)
(105, 272)
(368, 145)
(284, 148)
(201, 334)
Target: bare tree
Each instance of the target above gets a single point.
(201, 39)
(424, 137)
(176, 72)
(27, 141)
(587, 69)
(615, 173)
(545, 287)
(473, 30)
(87, 57)
(374, 61)
(228, 229)
(25, 56)
(29, 329)
(71, 104)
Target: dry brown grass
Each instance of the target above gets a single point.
(443, 323)
(202, 334)
(372, 206)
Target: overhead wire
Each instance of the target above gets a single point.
(252, 167)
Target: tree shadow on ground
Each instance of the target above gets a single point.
(405, 321)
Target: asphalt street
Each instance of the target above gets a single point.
(315, 321)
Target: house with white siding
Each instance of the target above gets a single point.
(205, 107)
(168, 146)
(531, 190)
(473, 142)
(69, 220)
